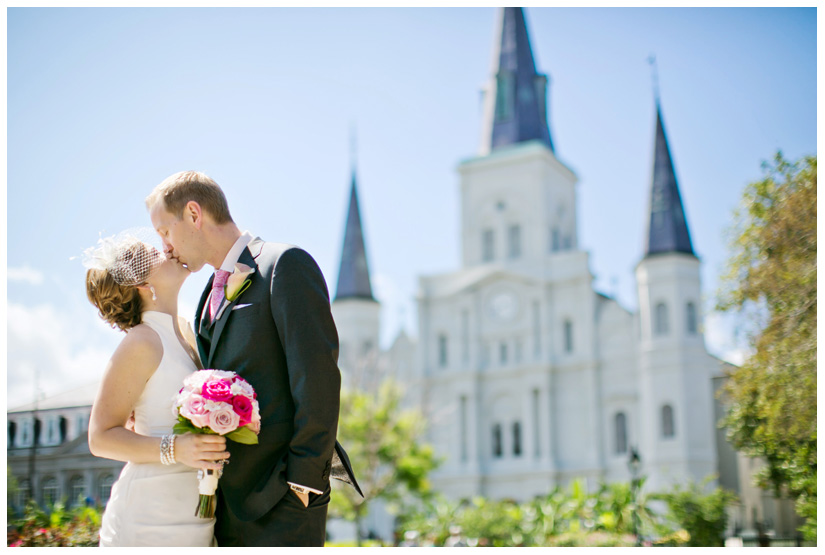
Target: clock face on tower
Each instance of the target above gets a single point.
(503, 306)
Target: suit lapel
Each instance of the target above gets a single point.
(247, 257)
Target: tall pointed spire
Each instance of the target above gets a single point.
(516, 108)
(668, 229)
(354, 273)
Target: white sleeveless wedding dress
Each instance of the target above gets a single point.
(153, 504)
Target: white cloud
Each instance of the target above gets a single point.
(720, 339)
(64, 350)
(25, 274)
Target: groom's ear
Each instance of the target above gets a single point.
(193, 214)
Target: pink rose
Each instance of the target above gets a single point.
(217, 390)
(242, 387)
(224, 420)
(243, 408)
(255, 426)
(194, 408)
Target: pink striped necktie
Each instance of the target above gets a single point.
(221, 277)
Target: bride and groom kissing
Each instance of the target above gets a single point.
(275, 331)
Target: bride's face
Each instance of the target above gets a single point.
(170, 275)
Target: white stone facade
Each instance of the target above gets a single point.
(530, 378)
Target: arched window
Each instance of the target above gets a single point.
(51, 435)
(668, 425)
(536, 443)
(568, 336)
(497, 445)
(442, 351)
(51, 491)
(105, 489)
(26, 437)
(463, 426)
(620, 433)
(517, 439)
(514, 241)
(77, 491)
(487, 245)
(63, 427)
(660, 326)
(690, 310)
(24, 492)
(465, 336)
(82, 421)
(555, 239)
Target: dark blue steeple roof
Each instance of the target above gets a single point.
(354, 273)
(668, 229)
(520, 112)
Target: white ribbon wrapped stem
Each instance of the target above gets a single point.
(208, 483)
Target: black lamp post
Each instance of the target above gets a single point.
(634, 463)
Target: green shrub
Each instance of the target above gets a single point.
(699, 513)
(575, 517)
(76, 527)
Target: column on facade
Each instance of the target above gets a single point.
(89, 483)
(473, 408)
(597, 421)
(63, 492)
(547, 414)
(531, 446)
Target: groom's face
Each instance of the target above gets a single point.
(180, 237)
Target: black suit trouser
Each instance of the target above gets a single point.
(288, 523)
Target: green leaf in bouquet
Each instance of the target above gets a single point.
(184, 425)
(243, 435)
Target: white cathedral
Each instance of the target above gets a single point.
(527, 376)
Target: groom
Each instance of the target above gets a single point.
(264, 314)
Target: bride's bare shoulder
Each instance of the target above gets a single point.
(141, 346)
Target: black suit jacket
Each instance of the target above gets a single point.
(279, 335)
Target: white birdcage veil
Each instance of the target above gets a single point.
(130, 257)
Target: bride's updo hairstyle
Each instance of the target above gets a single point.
(115, 268)
(119, 305)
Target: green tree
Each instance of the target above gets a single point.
(385, 448)
(703, 515)
(771, 283)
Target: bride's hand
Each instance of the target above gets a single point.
(201, 450)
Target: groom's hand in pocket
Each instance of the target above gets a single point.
(304, 497)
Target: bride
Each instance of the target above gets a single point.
(153, 502)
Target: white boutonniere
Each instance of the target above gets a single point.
(238, 281)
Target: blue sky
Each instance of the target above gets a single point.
(103, 104)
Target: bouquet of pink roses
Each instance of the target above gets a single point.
(216, 402)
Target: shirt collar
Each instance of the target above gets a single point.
(235, 252)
